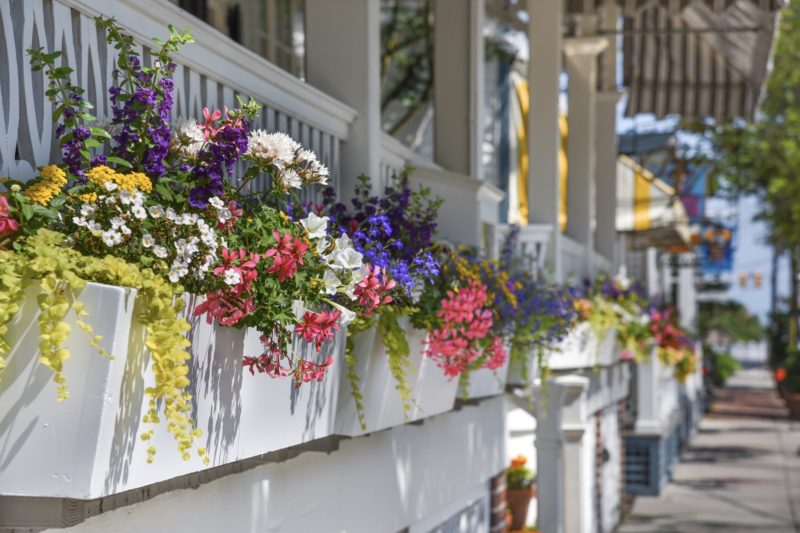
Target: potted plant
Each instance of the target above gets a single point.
(521, 489)
(789, 376)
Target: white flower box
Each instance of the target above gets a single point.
(485, 382)
(582, 348)
(432, 392)
(88, 446)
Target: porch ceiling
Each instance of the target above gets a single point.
(695, 58)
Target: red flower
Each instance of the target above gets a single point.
(318, 327)
(372, 290)
(780, 375)
(286, 255)
(7, 224)
(225, 307)
(308, 371)
(208, 126)
(242, 263)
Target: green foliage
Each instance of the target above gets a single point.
(729, 318)
(519, 477)
(357, 326)
(724, 366)
(394, 338)
(60, 272)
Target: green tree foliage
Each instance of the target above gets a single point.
(762, 158)
(729, 320)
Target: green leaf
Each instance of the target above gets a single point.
(119, 161)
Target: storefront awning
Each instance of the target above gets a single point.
(648, 210)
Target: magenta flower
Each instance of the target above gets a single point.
(7, 224)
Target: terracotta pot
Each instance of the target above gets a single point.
(792, 400)
(518, 501)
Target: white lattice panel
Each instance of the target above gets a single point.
(26, 129)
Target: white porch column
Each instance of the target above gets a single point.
(606, 200)
(581, 56)
(687, 292)
(549, 457)
(458, 85)
(578, 467)
(544, 136)
(648, 395)
(343, 59)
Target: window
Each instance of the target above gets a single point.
(274, 29)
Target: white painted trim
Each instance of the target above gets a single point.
(219, 57)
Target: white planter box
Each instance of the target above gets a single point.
(88, 446)
(485, 382)
(432, 392)
(583, 349)
(515, 372)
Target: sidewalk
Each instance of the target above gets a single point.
(740, 473)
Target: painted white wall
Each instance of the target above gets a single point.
(612, 474)
(383, 482)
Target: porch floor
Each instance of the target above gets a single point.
(741, 471)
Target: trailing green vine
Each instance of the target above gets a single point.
(358, 325)
(61, 272)
(394, 338)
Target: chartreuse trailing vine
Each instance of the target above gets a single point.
(60, 273)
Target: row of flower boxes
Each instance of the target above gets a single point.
(89, 445)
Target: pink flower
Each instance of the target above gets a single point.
(497, 354)
(7, 224)
(372, 290)
(286, 255)
(225, 307)
(241, 262)
(308, 371)
(208, 126)
(236, 213)
(318, 327)
(457, 343)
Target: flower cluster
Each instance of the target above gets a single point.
(465, 323)
(50, 185)
(393, 231)
(7, 223)
(291, 166)
(675, 348)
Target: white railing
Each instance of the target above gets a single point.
(532, 243)
(211, 73)
(573, 262)
(394, 156)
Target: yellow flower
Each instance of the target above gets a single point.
(101, 175)
(88, 198)
(54, 175)
(42, 192)
(135, 180)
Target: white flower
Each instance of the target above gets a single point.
(111, 237)
(148, 240)
(79, 221)
(156, 211)
(322, 173)
(322, 245)
(232, 277)
(189, 219)
(343, 242)
(316, 226)
(332, 282)
(125, 197)
(109, 200)
(138, 198)
(117, 222)
(291, 178)
(94, 227)
(348, 259)
(87, 210)
(188, 139)
(216, 203)
(139, 212)
(125, 229)
(307, 156)
(159, 251)
(347, 316)
(224, 215)
(276, 148)
(110, 186)
(172, 215)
